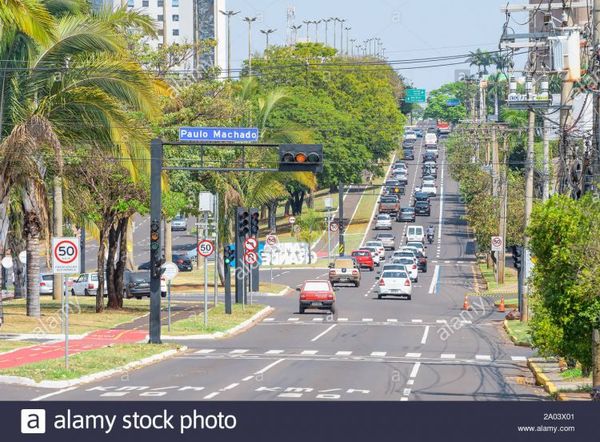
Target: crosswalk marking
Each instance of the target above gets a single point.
(309, 352)
(274, 352)
(403, 399)
(392, 320)
(342, 319)
(239, 351)
(518, 358)
(343, 353)
(483, 357)
(317, 319)
(367, 319)
(413, 355)
(379, 353)
(448, 356)
(441, 321)
(205, 351)
(417, 321)
(293, 319)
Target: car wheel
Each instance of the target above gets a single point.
(378, 296)
(371, 269)
(85, 292)
(425, 270)
(138, 297)
(332, 309)
(357, 284)
(72, 292)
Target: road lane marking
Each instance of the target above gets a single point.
(205, 351)
(483, 357)
(309, 352)
(268, 367)
(211, 395)
(54, 393)
(415, 370)
(441, 321)
(379, 353)
(239, 351)
(293, 319)
(342, 319)
(343, 353)
(406, 392)
(434, 280)
(403, 399)
(518, 358)
(413, 355)
(448, 356)
(416, 321)
(392, 320)
(317, 319)
(247, 378)
(321, 334)
(425, 333)
(268, 319)
(231, 386)
(367, 319)
(410, 382)
(274, 352)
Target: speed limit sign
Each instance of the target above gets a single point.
(206, 248)
(65, 255)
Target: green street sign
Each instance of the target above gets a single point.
(415, 96)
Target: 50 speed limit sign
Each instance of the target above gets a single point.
(65, 255)
(206, 248)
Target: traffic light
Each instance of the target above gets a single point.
(229, 255)
(517, 253)
(301, 158)
(254, 226)
(155, 252)
(243, 222)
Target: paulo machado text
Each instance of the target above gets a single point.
(181, 423)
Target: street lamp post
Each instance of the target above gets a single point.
(342, 21)
(334, 20)
(296, 28)
(307, 22)
(317, 22)
(229, 14)
(267, 32)
(347, 29)
(250, 20)
(352, 40)
(327, 20)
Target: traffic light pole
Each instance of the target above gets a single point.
(156, 149)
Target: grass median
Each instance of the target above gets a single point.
(218, 320)
(82, 318)
(519, 332)
(89, 362)
(510, 285)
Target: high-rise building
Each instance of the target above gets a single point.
(184, 21)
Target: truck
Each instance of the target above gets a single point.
(443, 128)
(389, 204)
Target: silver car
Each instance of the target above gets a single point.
(388, 240)
(179, 223)
(46, 284)
(384, 221)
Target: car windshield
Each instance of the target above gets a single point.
(407, 210)
(374, 243)
(385, 236)
(416, 245)
(94, 277)
(383, 217)
(389, 199)
(361, 253)
(422, 204)
(394, 267)
(48, 277)
(405, 260)
(393, 275)
(316, 286)
(344, 263)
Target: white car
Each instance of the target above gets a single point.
(383, 221)
(428, 182)
(411, 267)
(430, 139)
(432, 148)
(46, 284)
(415, 234)
(430, 189)
(410, 135)
(379, 246)
(87, 285)
(374, 254)
(394, 283)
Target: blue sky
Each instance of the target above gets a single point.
(408, 28)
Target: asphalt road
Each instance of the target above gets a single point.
(424, 349)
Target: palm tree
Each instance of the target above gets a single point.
(480, 59)
(77, 90)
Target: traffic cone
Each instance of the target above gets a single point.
(466, 305)
(501, 306)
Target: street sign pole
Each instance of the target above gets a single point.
(66, 298)
(169, 305)
(216, 267)
(251, 292)
(206, 273)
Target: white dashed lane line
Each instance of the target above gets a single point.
(323, 333)
(425, 334)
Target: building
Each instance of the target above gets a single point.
(184, 21)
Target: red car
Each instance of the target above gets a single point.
(316, 294)
(364, 259)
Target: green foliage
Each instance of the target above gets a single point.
(566, 277)
(439, 110)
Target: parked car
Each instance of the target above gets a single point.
(379, 246)
(423, 208)
(46, 284)
(388, 240)
(183, 262)
(374, 254)
(406, 215)
(389, 204)
(344, 270)
(137, 285)
(179, 223)
(316, 294)
(394, 283)
(86, 285)
(383, 221)
(364, 259)
(415, 233)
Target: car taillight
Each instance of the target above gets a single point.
(414, 266)
(381, 282)
(302, 296)
(355, 272)
(42, 284)
(90, 286)
(407, 282)
(180, 261)
(330, 296)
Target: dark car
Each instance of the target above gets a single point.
(137, 284)
(183, 262)
(408, 143)
(422, 208)
(406, 215)
(429, 156)
(409, 154)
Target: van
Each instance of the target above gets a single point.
(430, 139)
(415, 233)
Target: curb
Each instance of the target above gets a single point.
(248, 323)
(542, 379)
(514, 338)
(27, 382)
(281, 293)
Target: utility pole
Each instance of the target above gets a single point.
(229, 14)
(566, 103)
(249, 20)
(335, 20)
(307, 22)
(528, 202)
(352, 40)
(296, 28)
(503, 209)
(596, 113)
(495, 162)
(317, 22)
(342, 21)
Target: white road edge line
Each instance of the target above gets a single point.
(415, 370)
(321, 334)
(436, 274)
(425, 333)
(54, 393)
(212, 395)
(268, 367)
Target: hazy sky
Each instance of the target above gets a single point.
(408, 28)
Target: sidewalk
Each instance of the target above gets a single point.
(54, 350)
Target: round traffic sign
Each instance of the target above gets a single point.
(7, 262)
(497, 242)
(272, 240)
(65, 251)
(251, 244)
(250, 258)
(23, 257)
(206, 248)
(334, 227)
(171, 271)
(292, 219)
